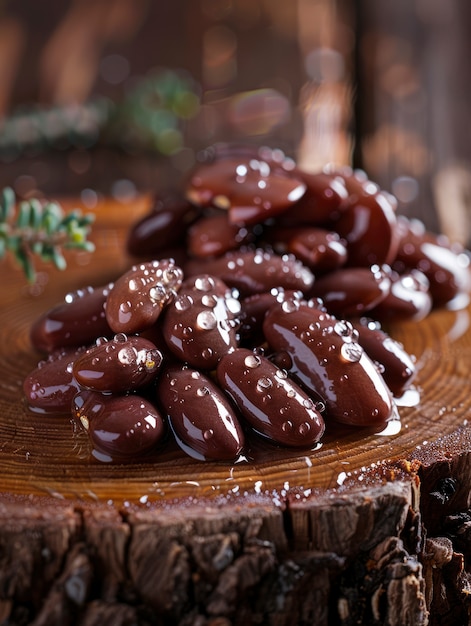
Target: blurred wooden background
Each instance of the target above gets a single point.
(383, 85)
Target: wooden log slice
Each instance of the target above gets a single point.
(370, 528)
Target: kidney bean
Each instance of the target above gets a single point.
(369, 226)
(408, 298)
(139, 295)
(201, 324)
(78, 321)
(327, 359)
(447, 270)
(117, 366)
(256, 271)
(123, 427)
(164, 226)
(51, 386)
(204, 423)
(213, 235)
(253, 310)
(396, 365)
(353, 290)
(269, 400)
(325, 195)
(249, 188)
(321, 250)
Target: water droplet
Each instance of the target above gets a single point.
(158, 293)
(183, 302)
(263, 384)
(281, 374)
(287, 426)
(126, 356)
(204, 283)
(120, 338)
(233, 305)
(172, 275)
(208, 434)
(291, 393)
(202, 391)
(209, 300)
(100, 341)
(304, 428)
(343, 328)
(252, 361)
(351, 352)
(207, 353)
(206, 320)
(290, 306)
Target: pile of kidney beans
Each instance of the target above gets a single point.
(256, 308)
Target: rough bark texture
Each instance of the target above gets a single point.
(354, 556)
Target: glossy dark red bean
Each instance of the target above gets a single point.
(408, 299)
(321, 250)
(139, 295)
(201, 324)
(78, 321)
(256, 271)
(51, 386)
(396, 365)
(327, 359)
(249, 188)
(117, 366)
(352, 291)
(447, 270)
(325, 195)
(213, 235)
(121, 427)
(204, 423)
(369, 226)
(269, 400)
(164, 226)
(253, 310)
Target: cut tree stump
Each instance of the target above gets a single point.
(368, 529)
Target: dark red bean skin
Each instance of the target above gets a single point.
(448, 271)
(163, 227)
(249, 188)
(269, 400)
(253, 310)
(256, 271)
(322, 251)
(51, 386)
(213, 235)
(139, 295)
(327, 360)
(117, 366)
(369, 226)
(204, 423)
(408, 299)
(122, 427)
(397, 366)
(78, 321)
(201, 324)
(325, 195)
(352, 291)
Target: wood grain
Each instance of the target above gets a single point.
(44, 454)
(331, 536)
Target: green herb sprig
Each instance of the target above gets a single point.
(33, 229)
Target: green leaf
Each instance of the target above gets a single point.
(7, 204)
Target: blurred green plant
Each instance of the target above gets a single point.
(150, 116)
(32, 229)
